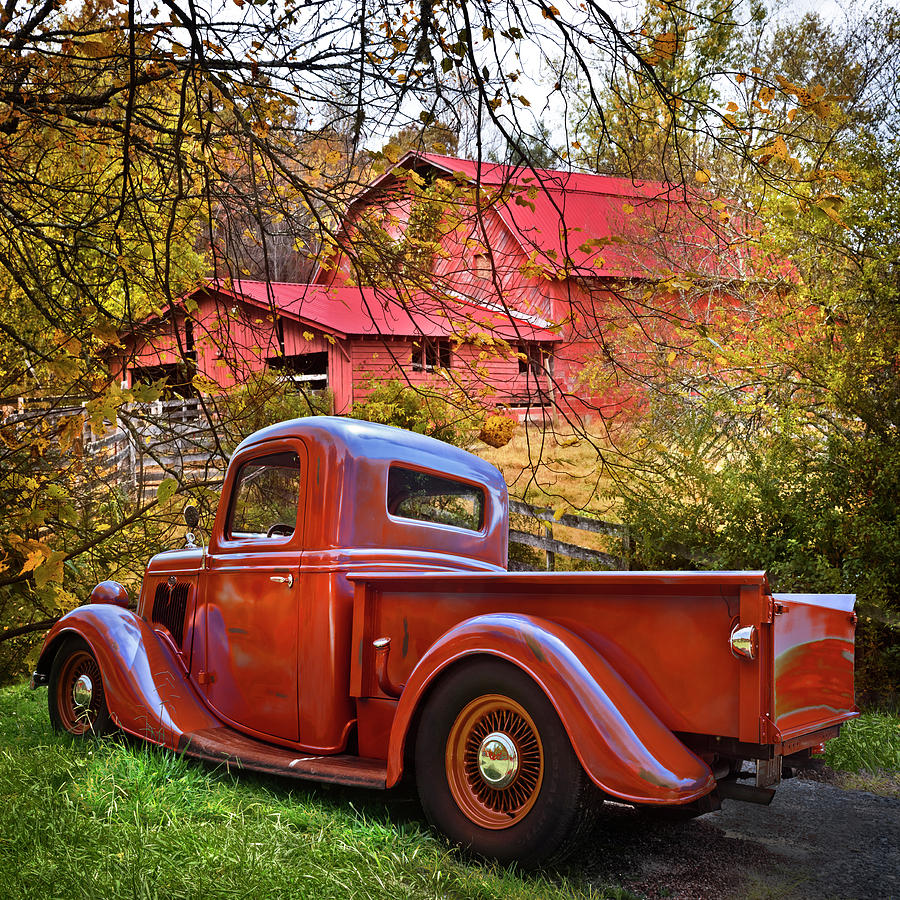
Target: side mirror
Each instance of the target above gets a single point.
(191, 516)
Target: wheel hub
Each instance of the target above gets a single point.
(83, 694)
(498, 760)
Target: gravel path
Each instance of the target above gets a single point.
(814, 841)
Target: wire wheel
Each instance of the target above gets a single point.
(79, 693)
(494, 761)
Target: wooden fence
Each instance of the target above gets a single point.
(146, 443)
(544, 521)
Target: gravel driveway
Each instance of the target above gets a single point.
(814, 841)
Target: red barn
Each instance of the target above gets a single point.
(340, 338)
(524, 277)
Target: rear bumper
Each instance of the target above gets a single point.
(794, 744)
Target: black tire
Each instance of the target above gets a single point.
(550, 803)
(76, 696)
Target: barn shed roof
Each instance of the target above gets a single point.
(378, 312)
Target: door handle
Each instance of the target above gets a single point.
(283, 579)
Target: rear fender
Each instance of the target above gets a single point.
(147, 689)
(624, 747)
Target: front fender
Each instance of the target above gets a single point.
(147, 689)
(624, 747)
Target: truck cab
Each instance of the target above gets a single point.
(262, 618)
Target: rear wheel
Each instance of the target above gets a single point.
(76, 697)
(495, 769)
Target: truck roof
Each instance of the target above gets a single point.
(370, 440)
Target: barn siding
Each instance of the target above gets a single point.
(340, 375)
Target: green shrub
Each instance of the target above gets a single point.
(870, 743)
(425, 410)
(265, 399)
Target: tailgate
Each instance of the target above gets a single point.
(813, 639)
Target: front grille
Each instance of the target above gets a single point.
(169, 608)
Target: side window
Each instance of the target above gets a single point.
(266, 497)
(431, 498)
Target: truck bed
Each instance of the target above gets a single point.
(666, 633)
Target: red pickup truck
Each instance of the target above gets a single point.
(352, 620)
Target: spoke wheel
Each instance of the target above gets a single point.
(494, 761)
(495, 770)
(76, 697)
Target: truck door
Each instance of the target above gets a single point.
(251, 603)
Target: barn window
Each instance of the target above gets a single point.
(481, 266)
(429, 354)
(308, 371)
(190, 350)
(175, 379)
(532, 359)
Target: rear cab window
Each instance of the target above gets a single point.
(265, 498)
(426, 497)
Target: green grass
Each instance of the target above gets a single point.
(116, 819)
(870, 743)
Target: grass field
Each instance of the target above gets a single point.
(115, 819)
(563, 471)
(558, 468)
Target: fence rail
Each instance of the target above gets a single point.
(552, 547)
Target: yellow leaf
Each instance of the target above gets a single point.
(51, 571)
(166, 490)
(37, 555)
(94, 49)
(671, 357)
(702, 176)
(665, 44)
(105, 331)
(627, 208)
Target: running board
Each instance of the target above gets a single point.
(235, 749)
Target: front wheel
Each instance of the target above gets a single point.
(495, 769)
(75, 696)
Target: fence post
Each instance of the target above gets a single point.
(550, 555)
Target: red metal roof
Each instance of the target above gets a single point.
(601, 225)
(377, 312)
